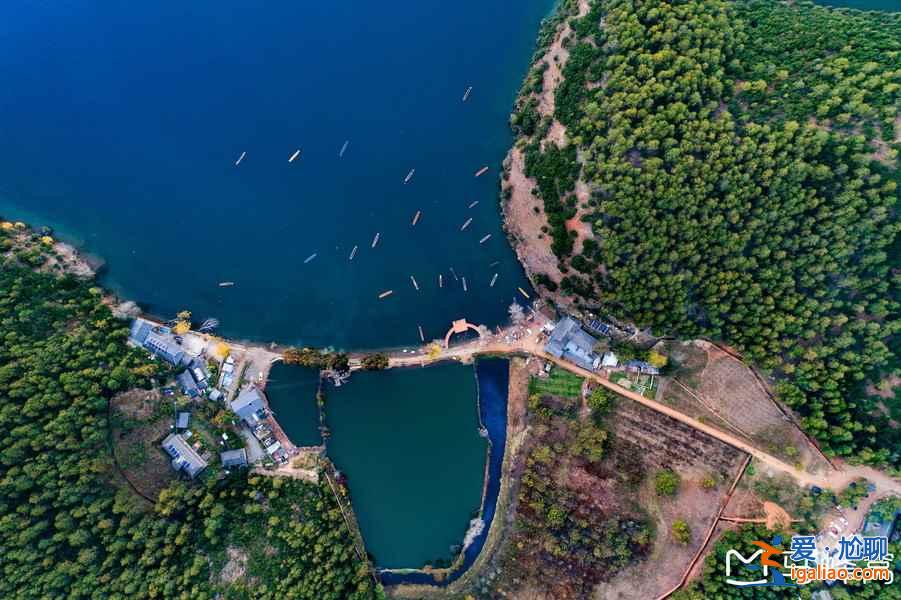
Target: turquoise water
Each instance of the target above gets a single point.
(122, 123)
(884, 5)
(408, 442)
(494, 382)
(291, 391)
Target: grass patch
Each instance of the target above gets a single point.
(558, 383)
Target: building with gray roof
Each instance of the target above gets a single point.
(146, 334)
(182, 420)
(640, 366)
(186, 383)
(234, 458)
(250, 406)
(184, 457)
(572, 343)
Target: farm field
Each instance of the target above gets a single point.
(715, 387)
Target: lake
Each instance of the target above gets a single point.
(493, 375)
(127, 119)
(291, 391)
(408, 441)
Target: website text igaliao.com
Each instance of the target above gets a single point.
(803, 575)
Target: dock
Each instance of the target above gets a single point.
(294, 156)
(472, 204)
(240, 158)
(465, 289)
(309, 258)
(343, 148)
(385, 294)
(409, 176)
(375, 240)
(493, 279)
(467, 93)
(485, 239)
(466, 224)
(416, 217)
(352, 253)
(523, 292)
(413, 281)
(481, 171)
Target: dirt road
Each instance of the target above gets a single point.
(519, 341)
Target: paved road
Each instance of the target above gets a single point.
(518, 341)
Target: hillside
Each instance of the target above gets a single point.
(727, 169)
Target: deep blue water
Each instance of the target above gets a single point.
(121, 123)
(493, 376)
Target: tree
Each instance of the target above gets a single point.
(375, 362)
(517, 316)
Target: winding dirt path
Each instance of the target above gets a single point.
(533, 344)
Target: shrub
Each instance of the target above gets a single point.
(680, 531)
(666, 482)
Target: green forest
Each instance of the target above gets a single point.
(742, 162)
(70, 528)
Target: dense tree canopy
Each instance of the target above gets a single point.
(742, 188)
(65, 530)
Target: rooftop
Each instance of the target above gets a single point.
(184, 457)
(569, 341)
(234, 458)
(249, 404)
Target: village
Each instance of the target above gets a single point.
(208, 370)
(556, 350)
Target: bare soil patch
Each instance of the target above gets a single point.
(724, 392)
(524, 223)
(137, 429)
(655, 441)
(235, 567)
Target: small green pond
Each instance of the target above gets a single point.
(408, 442)
(292, 397)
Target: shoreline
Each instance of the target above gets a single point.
(445, 577)
(522, 213)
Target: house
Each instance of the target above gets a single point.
(215, 395)
(184, 457)
(609, 360)
(199, 372)
(182, 420)
(570, 342)
(234, 458)
(187, 384)
(145, 334)
(250, 406)
(639, 366)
